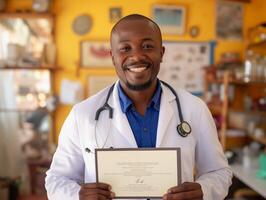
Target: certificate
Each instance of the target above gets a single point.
(139, 172)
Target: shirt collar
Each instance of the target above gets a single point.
(126, 103)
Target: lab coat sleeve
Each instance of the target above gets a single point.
(212, 170)
(67, 169)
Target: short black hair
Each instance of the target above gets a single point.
(135, 17)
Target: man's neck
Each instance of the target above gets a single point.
(141, 99)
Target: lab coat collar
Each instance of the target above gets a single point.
(120, 119)
(165, 115)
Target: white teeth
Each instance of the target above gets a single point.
(139, 69)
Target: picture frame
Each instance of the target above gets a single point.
(97, 83)
(115, 14)
(183, 64)
(170, 18)
(95, 54)
(228, 27)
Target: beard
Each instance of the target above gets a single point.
(139, 87)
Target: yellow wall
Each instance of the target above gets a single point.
(200, 13)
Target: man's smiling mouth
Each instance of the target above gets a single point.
(137, 68)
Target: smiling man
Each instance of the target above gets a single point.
(145, 115)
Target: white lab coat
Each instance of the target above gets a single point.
(200, 150)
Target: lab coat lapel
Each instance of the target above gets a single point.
(120, 120)
(165, 115)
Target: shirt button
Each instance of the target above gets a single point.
(145, 129)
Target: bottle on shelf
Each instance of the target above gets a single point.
(246, 161)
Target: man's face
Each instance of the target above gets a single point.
(136, 53)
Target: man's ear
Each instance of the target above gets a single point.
(111, 54)
(162, 53)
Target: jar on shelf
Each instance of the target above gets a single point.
(249, 65)
(246, 161)
(264, 68)
(259, 69)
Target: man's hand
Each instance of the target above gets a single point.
(185, 191)
(100, 191)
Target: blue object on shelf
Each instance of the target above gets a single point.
(261, 173)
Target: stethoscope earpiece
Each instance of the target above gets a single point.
(183, 129)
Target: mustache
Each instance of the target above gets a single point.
(143, 62)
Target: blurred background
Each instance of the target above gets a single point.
(55, 53)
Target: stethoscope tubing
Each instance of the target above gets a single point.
(184, 129)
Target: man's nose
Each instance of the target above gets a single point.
(137, 55)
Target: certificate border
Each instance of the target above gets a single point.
(178, 153)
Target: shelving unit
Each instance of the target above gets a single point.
(51, 68)
(31, 66)
(218, 107)
(247, 89)
(222, 106)
(45, 30)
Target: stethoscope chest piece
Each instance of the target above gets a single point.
(184, 129)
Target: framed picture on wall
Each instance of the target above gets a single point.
(95, 54)
(229, 20)
(97, 83)
(115, 14)
(170, 18)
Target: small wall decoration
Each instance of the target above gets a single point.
(194, 31)
(115, 14)
(170, 18)
(95, 54)
(229, 20)
(82, 24)
(41, 5)
(97, 83)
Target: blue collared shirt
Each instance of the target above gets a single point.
(144, 127)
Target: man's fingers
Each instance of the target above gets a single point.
(185, 187)
(96, 191)
(95, 196)
(190, 195)
(105, 193)
(103, 186)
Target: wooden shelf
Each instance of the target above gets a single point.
(26, 15)
(215, 81)
(259, 47)
(251, 82)
(215, 109)
(16, 110)
(52, 68)
(249, 112)
(242, 1)
(261, 140)
(236, 141)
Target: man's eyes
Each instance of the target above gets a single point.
(144, 47)
(148, 46)
(124, 49)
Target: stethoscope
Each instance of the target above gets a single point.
(183, 128)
